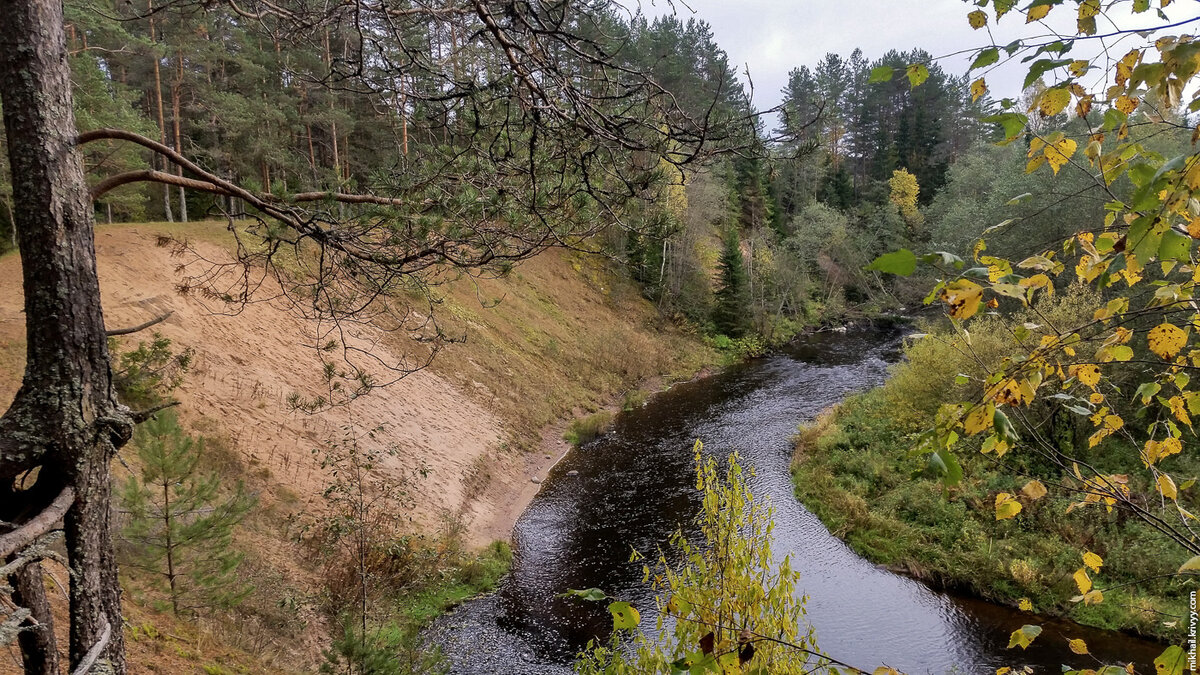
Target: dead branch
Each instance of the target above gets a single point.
(141, 326)
(143, 415)
(89, 659)
(40, 524)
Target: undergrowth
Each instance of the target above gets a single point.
(854, 469)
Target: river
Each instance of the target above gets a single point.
(635, 486)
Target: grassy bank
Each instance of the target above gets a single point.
(854, 470)
(391, 643)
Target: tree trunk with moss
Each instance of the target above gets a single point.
(65, 417)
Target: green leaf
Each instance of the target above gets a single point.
(1140, 6)
(625, 617)
(1113, 119)
(1147, 391)
(986, 58)
(1175, 246)
(948, 467)
(1041, 67)
(1013, 123)
(1024, 636)
(943, 258)
(902, 262)
(1171, 661)
(917, 73)
(1004, 427)
(881, 74)
(590, 594)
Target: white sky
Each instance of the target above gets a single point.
(774, 36)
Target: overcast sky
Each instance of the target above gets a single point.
(774, 36)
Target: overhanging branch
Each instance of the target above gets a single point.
(211, 182)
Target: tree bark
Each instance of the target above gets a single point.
(162, 125)
(39, 651)
(176, 86)
(65, 417)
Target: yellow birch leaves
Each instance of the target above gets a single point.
(1007, 506)
(1166, 340)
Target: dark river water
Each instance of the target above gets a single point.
(635, 486)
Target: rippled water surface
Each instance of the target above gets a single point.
(635, 486)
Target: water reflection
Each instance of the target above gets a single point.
(635, 487)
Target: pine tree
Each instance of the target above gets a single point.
(731, 314)
(180, 527)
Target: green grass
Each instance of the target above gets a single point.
(584, 429)
(475, 575)
(857, 474)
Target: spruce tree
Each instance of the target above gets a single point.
(731, 314)
(180, 526)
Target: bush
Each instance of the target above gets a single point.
(586, 429)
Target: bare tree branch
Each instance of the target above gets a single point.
(27, 533)
(141, 326)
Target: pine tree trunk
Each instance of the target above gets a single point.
(162, 124)
(175, 93)
(65, 417)
(170, 548)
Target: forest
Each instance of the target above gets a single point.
(322, 316)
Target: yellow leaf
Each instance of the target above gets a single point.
(1179, 410)
(1088, 374)
(1150, 453)
(1006, 506)
(979, 419)
(1037, 13)
(1093, 561)
(1078, 646)
(1166, 486)
(977, 19)
(993, 442)
(963, 297)
(978, 88)
(1192, 565)
(1082, 109)
(1034, 489)
(1126, 104)
(1166, 340)
(1025, 605)
(1053, 101)
(1003, 671)
(1082, 580)
(1169, 446)
(1089, 9)
(1079, 67)
(1058, 154)
(1093, 597)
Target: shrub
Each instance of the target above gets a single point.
(586, 429)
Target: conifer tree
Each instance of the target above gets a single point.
(731, 314)
(180, 527)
